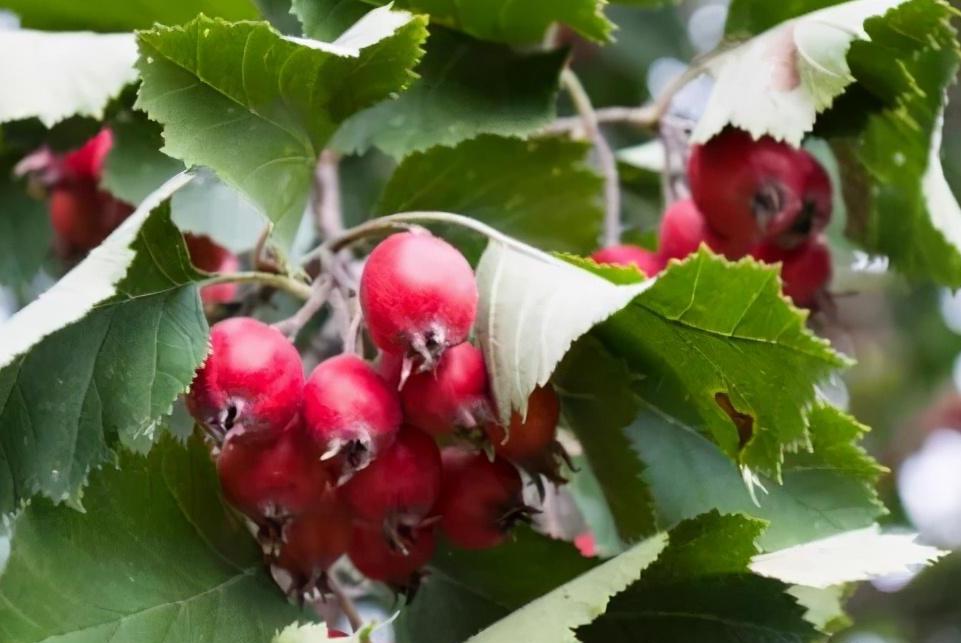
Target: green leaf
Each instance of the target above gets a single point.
(98, 358)
(597, 403)
(467, 87)
(778, 82)
(540, 191)
(532, 307)
(122, 15)
(135, 166)
(156, 557)
(496, 20)
(258, 107)
(552, 617)
(751, 17)
(327, 19)
(825, 492)
(898, 201)
(66, 74)
(700, 589)
(468, 590)
(824, 608)
(24, 235)
(720, 336)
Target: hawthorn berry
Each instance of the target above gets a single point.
(527, 438)
(682, 231)
(805, 270)
(650, 263)
(480, 500)
(400, 487)
(350, 411)
(749, 190)
(253, 379)
(87, 161)
(273, 476)
(418, 295)
(210, 256)
(376, 557)
(453, 394)
(313, 541)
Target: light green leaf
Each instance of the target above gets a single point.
(65, 74)
(898, 201)
(532, 308)
(258, 107)
(551, 618)
(505, 21)
(700, 589)
(824, 492)
(467, 87)
(721, 336)
(122, 15)
(98, 358)
(24, 235)
(156, 557)
(778, 82)
(540, 191)
(135, 166)
(597, 403)
(824, 608)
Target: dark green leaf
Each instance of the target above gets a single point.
(24, 235)
(122, 15)
(750, 17)
(327, 19)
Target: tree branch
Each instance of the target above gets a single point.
(281, 282)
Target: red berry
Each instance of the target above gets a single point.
(528, 438)
(682, 231)
(400, 486)
(312, 542)
(87, 161)
(453, 394)
(83, 216)
(336, 634)
(373, 554)
(273, 475)
(389, 367)
(627, 255)
(418, 295)
(750, 190)
(480, 500)
(805, 270)
(252, 380)
(350, 411)
(209, 256)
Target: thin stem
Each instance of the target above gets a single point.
(281, 282)
(605, 156)
(346, 604)
(320, 290)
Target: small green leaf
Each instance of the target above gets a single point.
(122, 15)
(258, 107)
(98, 358)
(66, 74)
(156, 557)
(467, 87)
(540, 191)
(24, 235)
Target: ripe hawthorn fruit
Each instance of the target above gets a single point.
(454, 394)
(805, 270)
(527, 438)
(650, 263)
(682, 231)
(377, 557)
(210, 256)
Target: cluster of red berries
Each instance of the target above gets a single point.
(762, 198)
(348, 460)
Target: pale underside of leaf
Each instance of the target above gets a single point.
(52, 76)
(92, 281)
(778, 82)
(532, 308)
(554, 616)
(942, 206)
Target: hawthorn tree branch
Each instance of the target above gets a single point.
(289, 285)
(605, 156)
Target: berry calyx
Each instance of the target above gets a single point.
(399, 488)
(453, 395)
(527, 438)
(750, 190)
(682, 231)
(376, 557)
(252, 380)
(805, 270)
(650, 263)
(481, 500)
(209, 256)
(273, 476)
(350, 411)
(418, 295)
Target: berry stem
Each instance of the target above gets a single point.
(281, 282)
(605, 156)
(319, 292)
(327, 204)
(346, 604)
